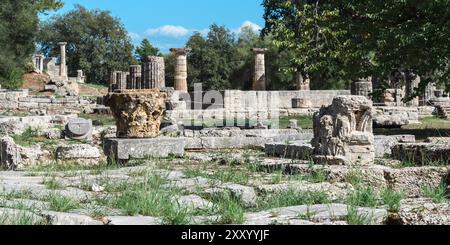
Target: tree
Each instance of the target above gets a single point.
(97, 42)
(211, 60)
(144, 50)
(18, 29)
(343, 40)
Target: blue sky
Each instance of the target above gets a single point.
(169, 23)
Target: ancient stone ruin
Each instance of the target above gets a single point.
(343, 132)
(181, 75)
(151, 75)
(259, 69)
(138, 113)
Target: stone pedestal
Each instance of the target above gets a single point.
(362, 87)
(79, 129)
(153, 73)
(259, 69)
(181, 68)
(138, 113)
(343, 133)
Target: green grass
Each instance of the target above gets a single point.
(292, 198)
(31, 137)
(436, 193)
(355, 177)
(100, 120)
(22, 217)
(355, 218)
(23, 194)
(71, 167)
(152, 198)
(363, 197)
(392, 199)
(60, 203)
(230, 173)
(231, 211)
(53, 184)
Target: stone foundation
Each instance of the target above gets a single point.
(20, 100)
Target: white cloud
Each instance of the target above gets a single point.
(134, 36)
(168, 31)
(255, 27)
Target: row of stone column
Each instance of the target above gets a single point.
(152, 74)
(148, 76)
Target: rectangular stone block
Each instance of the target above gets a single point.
(127, 149)
(296, 150)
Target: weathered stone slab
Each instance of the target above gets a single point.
(290, 150)
(411, 181)
(126, 149)
(317, 214)
(192, 202)
(395, 116)
(133, 220)
(82, 153)
(423, 212)
(58, 218)
(422, 153)
(383, 144)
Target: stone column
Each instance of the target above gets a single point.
(303, 82)
(259, 69)
(63, 66)
(121, 79)
(181, 68)
(412, 83)
(41, 63)
(113, 82)
(153, 73)
(135, 77)
(362, 87)
(80, 76)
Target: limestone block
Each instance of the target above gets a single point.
(10, 156)
(422, 153)
(126, 149)
(82, 153)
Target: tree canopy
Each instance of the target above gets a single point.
(97, 42)
(144, 50)
(343, 40)
(18, 29)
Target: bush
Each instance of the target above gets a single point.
(11, 77)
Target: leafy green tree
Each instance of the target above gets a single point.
(146, 49)
(18, 29)
(211, 60)
(97, 42)
(338, 41)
